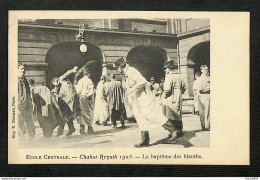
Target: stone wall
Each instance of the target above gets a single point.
(34, 43)
(185, 45)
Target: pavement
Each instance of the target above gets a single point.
(107, 137)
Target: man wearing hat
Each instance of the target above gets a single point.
(174, 87)
(141, 99)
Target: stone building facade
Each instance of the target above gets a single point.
(48, 47)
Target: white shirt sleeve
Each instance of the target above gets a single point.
(90, 87)
(79, 87)
(135, 77)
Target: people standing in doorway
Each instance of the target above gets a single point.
(154, 87)
(63, 95)
(161, 84)
(157, 92)
(196, 93)
(25, 106)
(203, 89)
(116, 101)
(85, 91)
(141, 98)
(174, 87)
(101, 110)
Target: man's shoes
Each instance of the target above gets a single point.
(141, 145)
(70, 133)
(83, 133)
(173, 135)
(179, 133)
(91, 131)
(144, 140)
(123, 126)
(82, 130)
(98, 123)
(105, 124)
(59, 134)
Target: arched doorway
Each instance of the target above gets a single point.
(149, 60)
(64, 56)
(198, 55)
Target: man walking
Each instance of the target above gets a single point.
(174, 87)
(63, 95)
(142, 100)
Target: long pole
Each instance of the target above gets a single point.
(178, 49)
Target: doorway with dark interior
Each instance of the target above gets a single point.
(64, 56)
(149, 60)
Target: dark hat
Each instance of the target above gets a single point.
(87, 70)
(120, 62)
(108, 65)
(31, 82)
(168, 64)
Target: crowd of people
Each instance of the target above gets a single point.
(150, 104)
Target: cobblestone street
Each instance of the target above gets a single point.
(107, 137)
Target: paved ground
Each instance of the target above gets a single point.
(108, 137)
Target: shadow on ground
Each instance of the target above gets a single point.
(184, 140)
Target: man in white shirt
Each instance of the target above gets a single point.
(85, 91)
(203, 88)
(196, 93)
(142, 101)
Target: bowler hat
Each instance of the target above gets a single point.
(168, 64)
(120, 62)
(108, 65)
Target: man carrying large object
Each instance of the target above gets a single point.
(147, 115)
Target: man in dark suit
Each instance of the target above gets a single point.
(25, 107)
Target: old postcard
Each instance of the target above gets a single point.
(93, 87)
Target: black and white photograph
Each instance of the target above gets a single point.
(114, 83)
(106, 86)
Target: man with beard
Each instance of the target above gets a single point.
(174, 87)
(25, 106)
(62, 99)
(116, 101)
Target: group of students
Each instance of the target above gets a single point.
(150, 104)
